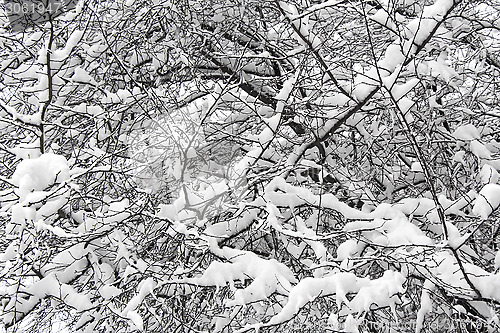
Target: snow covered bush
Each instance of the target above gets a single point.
(222, 166)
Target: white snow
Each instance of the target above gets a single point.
(27, 151)
(400, 90)
(33, 38)
(269, 276)
(480, 150)
(145, 288)
(497, 260)
(393, 57)
(62, 54)
(419, 30)
(349, 248)
(302, 24)
(285, 91)
(136, 319)
(108, 291)
(365, 83)
(488, 174)
(487, 201)
(317, 7)
(191, 153)
(439, 69)
(232, 227)
(66, 264)
(167, 212)
(57, 275)
(467, 132)
(50, 286)
(459, 156)
(405, 105)
(421, 27)
(27, 72)
(308, 289)
(417, 167)
(95, 50)
(382, 17)
(40, 173)
(378, 291)
(10, 252)
(351, 324)
(32, 119)
(81, 76)
(425, 304)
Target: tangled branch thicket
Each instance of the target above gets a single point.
(223, 166)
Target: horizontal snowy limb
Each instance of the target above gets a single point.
(283, 194)
(378, 291)
(269, 276)
(427, 258)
